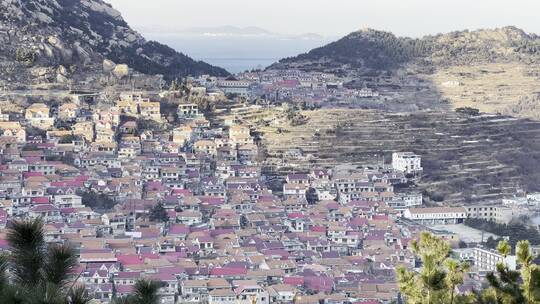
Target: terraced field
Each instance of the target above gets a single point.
(466, 159)
(492, 88)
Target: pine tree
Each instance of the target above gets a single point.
(37, 272)
(145, 292)
(158, 213)
(511, 286)
(439, 276)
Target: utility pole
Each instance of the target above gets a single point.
(482, 237)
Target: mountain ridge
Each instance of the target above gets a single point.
(373, 50)
(55, 40)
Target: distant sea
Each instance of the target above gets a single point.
(238, 53)
(236, 65)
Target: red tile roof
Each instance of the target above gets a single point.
(129, 259)
(228, 271)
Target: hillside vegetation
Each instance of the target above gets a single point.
(368, 51)
(496, 71)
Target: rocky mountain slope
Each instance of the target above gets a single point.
(55, 40)
(370, 50)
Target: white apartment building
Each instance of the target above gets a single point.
(231, 85)
(496, 213)
(68, 201)
(407, 162)
(406, 200)
(188, 110)
(487, 259)
(436, 215)
(295, 190)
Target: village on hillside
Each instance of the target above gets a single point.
(165, 191)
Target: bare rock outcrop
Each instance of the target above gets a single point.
(86, 37)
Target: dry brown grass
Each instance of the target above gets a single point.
(493, 88)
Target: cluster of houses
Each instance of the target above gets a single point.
(191, 207)
(312, 88)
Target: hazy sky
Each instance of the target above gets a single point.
(333, 17)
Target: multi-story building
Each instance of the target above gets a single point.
(496, 213)
(150, 110)
(407, 162)
(13, 129)
(231, 85)
(240, 135)
(187, 111)
(402, 201)
(38, 115)
(487, 259)
(436, 215)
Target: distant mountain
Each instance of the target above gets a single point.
(310, 36)
(55, 40)
(227, 31)
(370, 50)
(236, 48)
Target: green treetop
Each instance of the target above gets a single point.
(439, 276)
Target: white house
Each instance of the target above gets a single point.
(222, 296)
(407, 162)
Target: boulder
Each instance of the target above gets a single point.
(62, 70)
(121, 71)
(41, 72)
(62, 78)
(108, 66)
